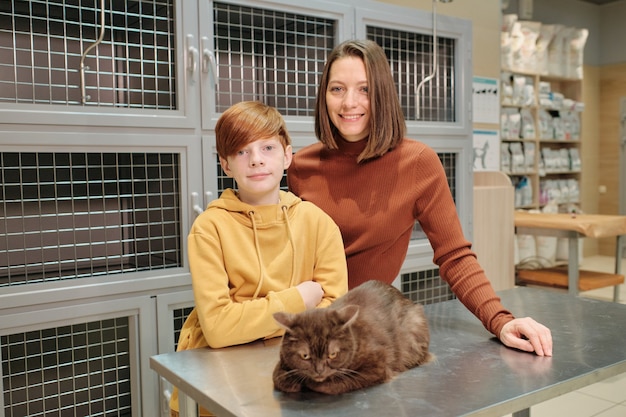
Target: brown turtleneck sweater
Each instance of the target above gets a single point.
(376, 204)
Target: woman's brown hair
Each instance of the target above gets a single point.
(387, 125)
(245, 122)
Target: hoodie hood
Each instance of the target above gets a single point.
(260, 218)
(263, 215)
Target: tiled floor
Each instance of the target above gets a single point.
(603, 399)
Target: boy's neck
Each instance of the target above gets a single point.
(265, 200)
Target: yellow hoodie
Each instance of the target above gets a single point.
(245, 262)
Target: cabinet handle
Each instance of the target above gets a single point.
(208, 59)
(192, 53)
(208, 197)
(195, 203)
(83, 68)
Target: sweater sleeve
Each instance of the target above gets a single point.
(436, 212)
(225, 322)
(330, 269)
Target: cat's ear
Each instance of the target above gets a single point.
(283, 319)
(348, 314)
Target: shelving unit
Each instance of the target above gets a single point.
(540, 132)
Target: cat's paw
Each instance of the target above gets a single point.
(288, 387)
(329, 389)
(291, 389)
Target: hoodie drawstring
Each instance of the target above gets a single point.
(258, 255)
(293, 247)
(257, 247)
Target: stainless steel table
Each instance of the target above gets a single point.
(473, 375)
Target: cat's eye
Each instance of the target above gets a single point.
(305, 356)
(332, 355)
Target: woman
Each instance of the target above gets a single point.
(375, 183)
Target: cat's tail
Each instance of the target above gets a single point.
(417, 338)
(429, 358)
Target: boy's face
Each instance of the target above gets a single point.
(258, 169)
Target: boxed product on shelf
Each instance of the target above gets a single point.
(550, 160)
(561, 191)
(558, 128)
(574, 189)
(529, 46)
(510, 123)
(543, 43)
(571, 125)
(523, 191)
(564, 160)
(505, 157)
(517, 90)
(530, 31)
(527, 130)
(576, 46)
(546, 124)
(529, 156)
(518, 161)
(574, 156)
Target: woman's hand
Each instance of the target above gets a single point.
(527, 335)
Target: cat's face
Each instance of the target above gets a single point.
(312, 362)
(319, 343)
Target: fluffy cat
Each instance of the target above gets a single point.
(364, 338)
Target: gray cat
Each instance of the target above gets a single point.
(364, 338)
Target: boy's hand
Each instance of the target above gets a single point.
(311, 293)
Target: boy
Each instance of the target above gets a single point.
(257, 250)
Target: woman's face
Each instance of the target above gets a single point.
(347, 99)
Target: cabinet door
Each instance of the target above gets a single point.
(432, 73)
(270, 51)
(74, 62)
(72, 214)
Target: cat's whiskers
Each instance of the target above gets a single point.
(290, 373)
(347, 373)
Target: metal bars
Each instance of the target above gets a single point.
(410, 56)
(41, 43)
(76, 370)
(425, 287)
(75, 215)
(271, 56)
(179, 317)
(448, 160)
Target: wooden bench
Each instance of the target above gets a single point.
(574, 227)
